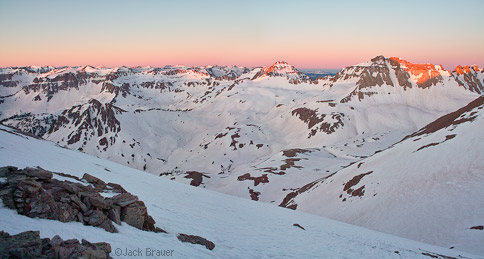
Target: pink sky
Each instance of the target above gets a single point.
(309, 34)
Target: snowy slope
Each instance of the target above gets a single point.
(239, 228)
(428, 187)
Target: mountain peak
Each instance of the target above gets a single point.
(460, 70)
(282, 68)
(279, 66)
(416, 67)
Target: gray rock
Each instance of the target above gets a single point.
(117, 188)
(71, 187)
(23, 245)
(101, 246)
(98, 201)
(96, 218)
(86, 201)
(80, 218)
(33, 193)
(6, 194)
(44, 206)
(30, 186)
(108, 226)
(38, 173)
(134, 214)
(65, 199)
(56, 240)
(149, 223)
(124, 199)
(78, 202)
(98, 183)
(114, 214)
(66, 213)
(7, 170)
(18, 193)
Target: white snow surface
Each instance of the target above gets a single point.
(240, 228)
(427, 188)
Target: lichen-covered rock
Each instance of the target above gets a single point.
(34, 192)
(124, 199)
(37, 172)
(28, 244)
(134, 214)
(98, 183)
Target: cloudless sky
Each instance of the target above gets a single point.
(307, 34)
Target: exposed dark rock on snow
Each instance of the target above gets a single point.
(196, 240)
(34, 192)
(28, 244)
(261, 179)
(434, 255)
(299, 226)
(197, 177)
(254, 195)
(354, 181)
(288, 201)
(293, 152)
(478, 227)
(312, 118)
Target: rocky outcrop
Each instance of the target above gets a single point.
(470, 77)
(34, 192)
(197, 177)
(312, 119)
(261, 179)
(425, 75)
(94, 118)
(196, 240)
(28, 244)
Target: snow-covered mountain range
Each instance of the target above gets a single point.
(275, 135)
(239, 228)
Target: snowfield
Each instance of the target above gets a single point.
(240, 228)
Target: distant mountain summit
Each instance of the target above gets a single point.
(282, 69)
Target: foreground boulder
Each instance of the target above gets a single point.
(34, 192)
(28, 244)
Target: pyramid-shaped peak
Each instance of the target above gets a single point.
(281, 67)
